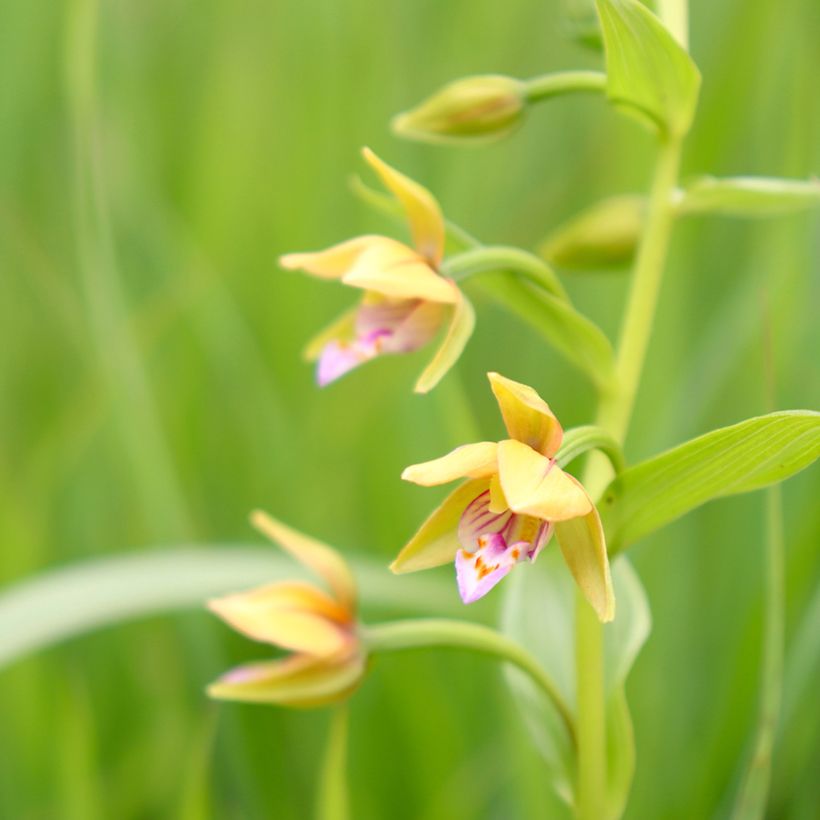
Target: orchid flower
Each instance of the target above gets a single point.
(405, 302)
(327, 661)
(515, 497)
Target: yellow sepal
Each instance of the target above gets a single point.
(527, 416)
(468, 461)
(420, 206)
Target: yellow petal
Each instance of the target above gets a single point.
(292, 615)
(527, 416)
(498, 501)
(437, 542)
(423, 212)
(342, 328)
(332, 262)
(536, 485)
(457, 336)
(394, 270)
(299, 681)
(315, 555)
(584, 549)
(468, 461)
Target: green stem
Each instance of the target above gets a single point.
(613, 416)
(564, 82)
(580, 440)
(424, 633)
(494, 258)
(332, 799)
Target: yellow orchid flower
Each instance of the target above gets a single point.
(514, 498)
(406, 301)
(320, 628)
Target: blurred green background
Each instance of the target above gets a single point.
(152, 392)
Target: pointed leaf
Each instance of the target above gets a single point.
(737, 459)
(749, 196)
(648, 71)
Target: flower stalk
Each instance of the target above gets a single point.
(613, 416)
(430, 632)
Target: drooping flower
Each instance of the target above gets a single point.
(320, 628)
(406, 301)
(515, 497)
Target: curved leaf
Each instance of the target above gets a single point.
(748, 196)
(572, 334)
(648, 71)
(63, 603)
(737, 459)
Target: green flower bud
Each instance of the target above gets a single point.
(605, 235)
(472, 109)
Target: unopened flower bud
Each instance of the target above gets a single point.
(605, 235)
(475, 108)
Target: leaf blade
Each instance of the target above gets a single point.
(648, 71)
(731, 460)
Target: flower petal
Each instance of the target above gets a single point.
(536, 485)
(341, 329)
(527, 416)
(323, 560)
(436, 541)
(479, 520)
(333, 262)
(341, 357)
(498, 501)
(584, 548)
(468, 461)
(298, 680)
(457, 336)
(395, 270)
(420, 206)
(292, 615)
(418, 328)
(478, 572)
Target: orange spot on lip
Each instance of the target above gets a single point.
(515, 553)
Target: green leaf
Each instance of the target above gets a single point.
(748, 196)
(539, 607)
(605, 235)
(572, 334)
(63, 603)
(737, 459)
(648, 71)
